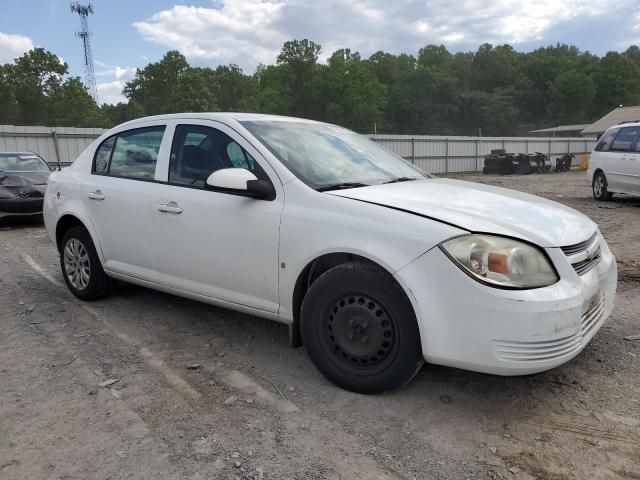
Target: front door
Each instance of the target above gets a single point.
(219, 245)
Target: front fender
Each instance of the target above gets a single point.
(387, 237)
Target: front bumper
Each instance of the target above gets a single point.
(466, 324)
(18, 207)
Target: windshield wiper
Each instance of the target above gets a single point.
(400, 179)
(340, 186)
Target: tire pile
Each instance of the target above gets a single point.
(502, 163)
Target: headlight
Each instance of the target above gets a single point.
(501, 262)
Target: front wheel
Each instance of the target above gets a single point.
(600, 191)
(360, 330)
(81, 267)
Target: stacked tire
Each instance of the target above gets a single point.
(499, 162)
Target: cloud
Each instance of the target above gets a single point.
(118, 72)
(111, 92)
(247, 32)
(13, 46)
(114, 76)
(238, 31)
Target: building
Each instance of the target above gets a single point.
(615, 117)
(559, 131)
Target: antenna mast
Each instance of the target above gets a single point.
(84, 35)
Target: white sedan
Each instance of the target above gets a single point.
(373, 264)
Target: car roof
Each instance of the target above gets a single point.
(238, 116)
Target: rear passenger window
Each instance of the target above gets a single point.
(625, 139)
(605, 141)
(135, 153)
(101, 163)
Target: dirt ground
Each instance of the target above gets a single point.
(252, 408)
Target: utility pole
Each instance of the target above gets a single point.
(84, 35)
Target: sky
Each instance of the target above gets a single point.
(128, 34)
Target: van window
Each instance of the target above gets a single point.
(605, 141)
(625, 139)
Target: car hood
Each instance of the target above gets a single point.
(482, 208)
(23, 178)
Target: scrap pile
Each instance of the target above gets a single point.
(502, 163)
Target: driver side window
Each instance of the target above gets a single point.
(198, 151)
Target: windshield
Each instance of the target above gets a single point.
(324, 155)
(19, 162)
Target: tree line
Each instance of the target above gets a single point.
(496, 89)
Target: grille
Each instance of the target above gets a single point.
(585, 265)
(557, 348)
(537, 351)
(578, 247)
(592, 317)
(585, 255)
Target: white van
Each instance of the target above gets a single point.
(615, 162)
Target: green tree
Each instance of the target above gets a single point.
(617, 83)
(235, 91)
(69, 104)
(155, 86)
(35, 76)
(9, 109)
(299, 60)
(194, 92)
(353, 96)
(571, 95)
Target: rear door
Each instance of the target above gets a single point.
(119, 198)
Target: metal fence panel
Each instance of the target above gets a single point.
(440, 154)
(54, 144)
(436, 154)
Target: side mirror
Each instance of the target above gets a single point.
(240, 181)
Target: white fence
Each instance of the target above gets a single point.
(438, 154)
(54, 144)
(434, 154)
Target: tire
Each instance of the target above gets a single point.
(360, 330)
(599, 187)
(78, 254)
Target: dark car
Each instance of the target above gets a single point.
(23, 180)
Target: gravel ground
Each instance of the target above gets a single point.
(206, 393)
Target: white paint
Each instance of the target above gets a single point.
(229, 248)
(619, 161)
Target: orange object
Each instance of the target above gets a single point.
(498, 263)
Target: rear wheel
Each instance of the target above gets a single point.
(81, 266)
(600, 191)
(360, 330)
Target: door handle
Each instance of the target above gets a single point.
(97, 195)
(171, 207)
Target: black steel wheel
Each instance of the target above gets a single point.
(360, 333)
(360, 330)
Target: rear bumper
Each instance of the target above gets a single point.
(20, 207)
(466, 324)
